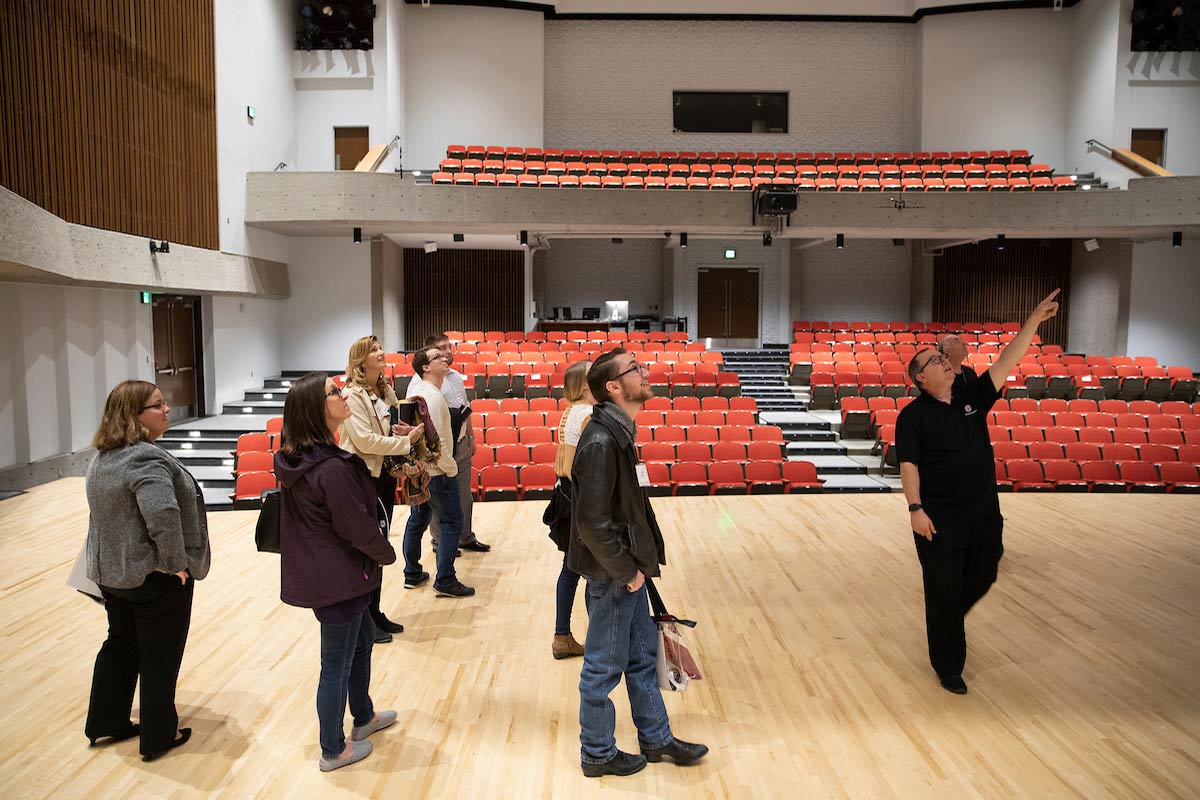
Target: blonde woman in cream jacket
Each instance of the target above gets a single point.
(370, 434)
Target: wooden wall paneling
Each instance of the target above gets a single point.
(109, 112)
(980, 283)
(462, 290)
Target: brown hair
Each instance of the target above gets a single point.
(436, 339)
(355, 373)
(421, 359)
(603, 370)
(119, 425)
(304, 425)
(575, 380)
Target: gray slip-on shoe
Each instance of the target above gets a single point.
(358, 751)
(383, 719)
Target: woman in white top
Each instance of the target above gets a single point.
(570, 427)
(369, 434)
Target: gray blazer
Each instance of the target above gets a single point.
(147, 514)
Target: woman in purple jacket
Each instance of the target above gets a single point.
(333, 545)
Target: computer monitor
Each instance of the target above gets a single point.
(591, 312)
(562, 312)
(616, 310)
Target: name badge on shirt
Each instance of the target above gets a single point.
(382, 409)
(643, 475)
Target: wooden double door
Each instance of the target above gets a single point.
(178, 362)
(727, 303)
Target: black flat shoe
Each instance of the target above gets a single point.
(682, 753)
(382, 636)
(476, 547)
(184, 735)
(133, 730)
(954, 683)
(620, 764)
(385, 624)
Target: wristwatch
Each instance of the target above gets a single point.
(914, 507)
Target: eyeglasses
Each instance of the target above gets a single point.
(635, 367)
(158, 405)
(939, 359)
(334, 392)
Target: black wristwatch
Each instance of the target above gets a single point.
(914, 507)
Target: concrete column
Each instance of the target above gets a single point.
(1098, 322)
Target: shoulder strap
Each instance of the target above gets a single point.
(371, 413)
(660, 610)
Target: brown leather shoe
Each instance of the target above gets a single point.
(565, 646)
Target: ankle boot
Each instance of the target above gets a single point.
(565, 646)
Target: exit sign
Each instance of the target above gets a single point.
(730, 253)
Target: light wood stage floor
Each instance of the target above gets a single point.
(1084, 662)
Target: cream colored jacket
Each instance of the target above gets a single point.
(365, 434)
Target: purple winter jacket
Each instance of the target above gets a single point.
(330, 534)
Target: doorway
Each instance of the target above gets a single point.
(1149, 143)
(349, 146)
(178, 363)
(727, 305)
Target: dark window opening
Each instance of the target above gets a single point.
(730, 112)
(1149, 143)
(1165, 26)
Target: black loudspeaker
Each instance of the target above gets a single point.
(773, 203)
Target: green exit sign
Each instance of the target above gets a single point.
(730, 253)
(145, 298)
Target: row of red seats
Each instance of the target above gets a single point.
(788, 171)
(1088, 451)
(574, 346)
(553, 354)
(841, 326)
(522, 454)
(515, 405)
(825, 340)
(482, 152)
(527, 180)
(1024, 475)
(503, 482)
(481, 337)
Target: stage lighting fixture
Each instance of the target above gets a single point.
(159, 247)
(618, 240)
(1091, 245)
(358, 235)
(683, 240)
(898, 242)
(767, 239)
(841, 241)
(431, 247)
(999, 241)
(524, 238)
(1176, 239)
(458, 237)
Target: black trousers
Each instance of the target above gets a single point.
(147, 631)
(959, 565)
(385, 484)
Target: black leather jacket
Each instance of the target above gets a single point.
(613, 530)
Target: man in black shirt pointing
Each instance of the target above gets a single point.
(948, 474)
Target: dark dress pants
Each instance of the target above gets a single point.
(958, 566)
(147, 631)
(385, 484)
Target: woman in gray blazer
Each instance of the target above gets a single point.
(147, 544)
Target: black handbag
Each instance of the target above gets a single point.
(266, 534)
(557, 515)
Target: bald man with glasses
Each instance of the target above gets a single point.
(948, 473)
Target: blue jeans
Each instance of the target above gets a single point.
(621, 639)
(564, 598)
(443, 501)
(345, 671)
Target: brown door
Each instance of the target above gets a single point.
(176, 361)
(349, 147)
(727, 303)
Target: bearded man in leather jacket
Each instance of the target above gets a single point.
(615, 544)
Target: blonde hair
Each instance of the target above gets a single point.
(355, 372)
(575, 381)
(119, 425)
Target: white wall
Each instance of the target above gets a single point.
(242, 345)
(1162, 307)
(471, 76)
(330, 305)
(1099, 320)
(1092, 87)
(586, 272)
(253, 43)
(1159, 90)
(609, 83)
(65, 349)
(995, 80)
(869, 280)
